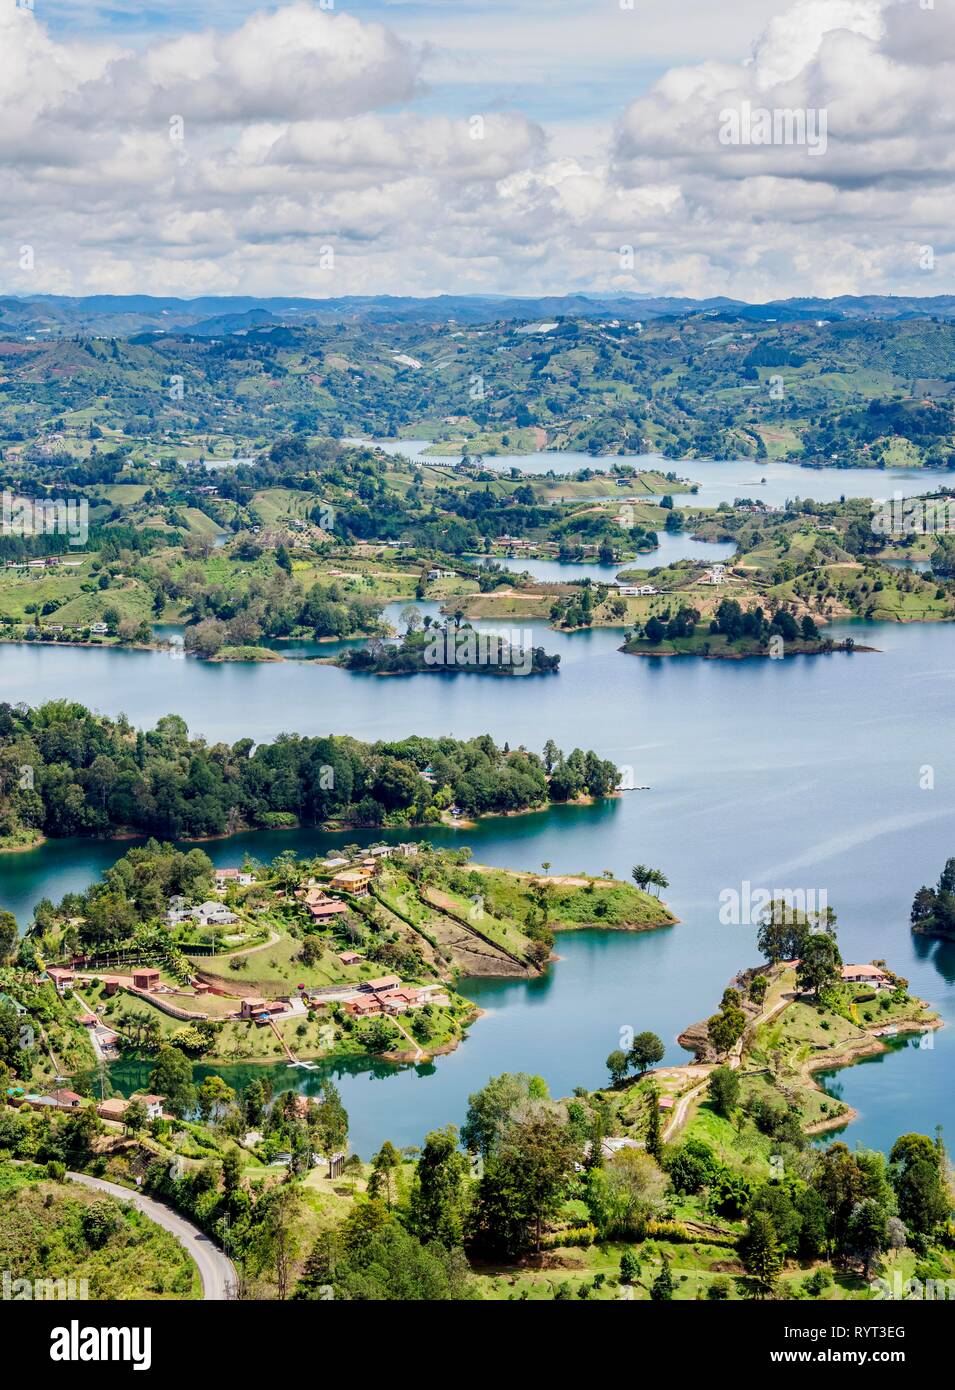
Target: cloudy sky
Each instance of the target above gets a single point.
(508, 146)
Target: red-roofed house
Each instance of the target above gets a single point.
(382, 984)
(367, 1006)
(67, 1100)
(865, 975)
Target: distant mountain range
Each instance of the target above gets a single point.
(210, 316)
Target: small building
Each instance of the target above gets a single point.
(66, 1100)
(666, 1103)
(433, 994)
(323, 909)
(223, 877)
(353, 881)
(382, 984)
(146, 979)
(365, 1006)
(62, 978)
(212, 914)
(381, 852)
(335, 1165)
(865, 975)
(99, 629)
(153, 1105)
(37, 1102)
(177, 915)
(407, 851)
(114, 1109)
(401, 1001)
(610, 1147)
(252, 1006)
(349, 957)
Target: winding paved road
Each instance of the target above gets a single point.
(216, 1270)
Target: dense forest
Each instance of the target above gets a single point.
(933, 909)
(67, 771)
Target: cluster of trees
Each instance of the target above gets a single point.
(450, 647)
(933, 909)
(733, 622)
(645, 1050)
(133, 892)
(851, 1208)
(724, 1029)
(66, 771)
(787, 932)
(682, 624)
(578, 609)
(266, 608)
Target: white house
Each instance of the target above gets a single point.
(865, 975)
(224, 877)
(153, 1106)
(215, 915)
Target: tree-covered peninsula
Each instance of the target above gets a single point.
(67, 771)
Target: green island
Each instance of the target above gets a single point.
(448, 648)
(65, 771)
(676, 1183)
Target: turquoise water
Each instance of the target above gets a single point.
(803, 773)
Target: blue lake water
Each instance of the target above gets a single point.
(720, 480)
(803, 773)
(670, 548)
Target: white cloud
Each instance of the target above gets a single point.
(302, 127)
